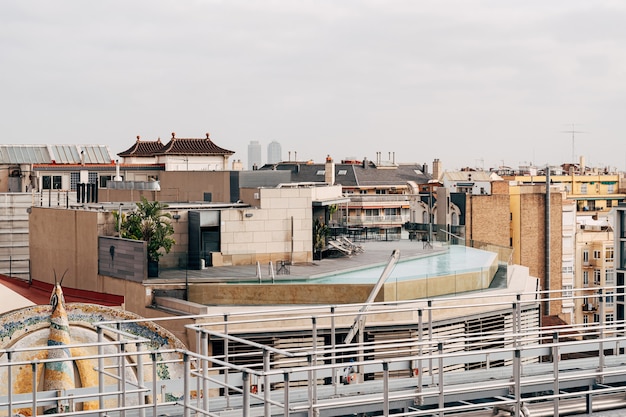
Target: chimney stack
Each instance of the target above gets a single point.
(329, 171)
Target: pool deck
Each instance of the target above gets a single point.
(374, 253)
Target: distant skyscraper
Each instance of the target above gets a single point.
(254, 155)
(274, 153)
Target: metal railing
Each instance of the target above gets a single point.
(440, 356)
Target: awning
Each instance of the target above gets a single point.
(330, 202)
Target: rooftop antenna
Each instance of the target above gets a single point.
(573, 132)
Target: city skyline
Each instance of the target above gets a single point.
(473, 83)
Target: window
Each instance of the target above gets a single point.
(567, 269)
(609, 277)
(585, 320)
(609, 203)
(51, 182)
(583, 188)
(609, 253)
(104, 179)
(609, 318)
(567, 291)
(610, 188)
(92, 178)
(585, 279)
(596, 254)
(362, 191)
(342, 172)
(596, 277)
(392, 211)
(74, 179)
(371, 212)
(320, 172)
(381, 191)
(596, 318)
(609, 299)
(586, 257)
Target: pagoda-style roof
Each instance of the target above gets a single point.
(192, 146)
(143, 148)
(176, 146)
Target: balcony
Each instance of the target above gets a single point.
(589, 307)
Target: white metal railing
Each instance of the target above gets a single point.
(426, 364)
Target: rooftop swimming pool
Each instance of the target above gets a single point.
(456, 260)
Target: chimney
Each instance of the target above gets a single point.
(436, 169)
(329, 171)
(117, 170)
(365, 163)
(425, 168)
(582, 165)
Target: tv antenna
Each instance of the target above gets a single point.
(573, 132)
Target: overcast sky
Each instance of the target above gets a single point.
(473, 83)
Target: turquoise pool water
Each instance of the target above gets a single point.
(457, 259)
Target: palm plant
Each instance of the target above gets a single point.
(148, 222)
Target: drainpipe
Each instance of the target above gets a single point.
(546, 279)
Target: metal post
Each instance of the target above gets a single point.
(10, 382)
(517, 378)
(420, 338)
(333, 359)
(122, 376)
(155, 401)
(385, 389)
(204, 339)
(314, 335)
(140, 381)
(310, 386)
(227, 360)
(100, 331)
(601, 357)
(35, 379)
(286, 394)
(555, 370)
(266, 382)
(186, 386)
(440, 378)
(245, 376)
(430, 337)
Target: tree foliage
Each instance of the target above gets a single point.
(148, 222)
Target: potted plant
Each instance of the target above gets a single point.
(149, 223)
(320, 237)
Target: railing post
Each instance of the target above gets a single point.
(266, 382)
(420, 351)
(186, 386)
(555, 370)
(227, 360)
(245, 377)
(140, 381)
(440, 379)
(10, 382)
(286, 394)
(204, 350)
(35, 379)
(385, 389)
(122, 376)
(430, 337)
(517, 379)
(314, 358)
(333, 344)
(101, 390)
(309, 359)
(601, 358)
(155, 396)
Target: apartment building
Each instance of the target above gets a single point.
(595, 272)
(379, 191)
